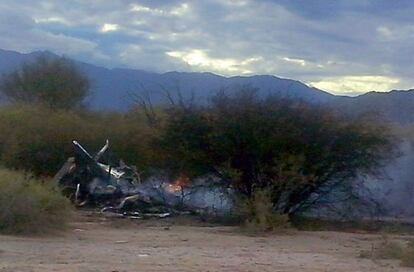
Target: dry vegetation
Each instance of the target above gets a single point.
(389, 248)
(407, 257)
(258, 216)
(28, 206)
(38, 139)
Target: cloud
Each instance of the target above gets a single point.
(357, 84)
(52, 20)
(341, 46)
(109, 27)
(179, 10)
(200, 60)
(384, 32)
(140, 8)
(300, 62)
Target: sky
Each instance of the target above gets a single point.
(346, 47)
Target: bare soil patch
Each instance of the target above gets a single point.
(100, 244)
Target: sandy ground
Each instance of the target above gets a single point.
(98, 244)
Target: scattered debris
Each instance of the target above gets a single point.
(88, 179)
(143, 255)
(121, 242)
(115, 188)
(118, 190)
(78, 230)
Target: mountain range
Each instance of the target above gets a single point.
(115, 89)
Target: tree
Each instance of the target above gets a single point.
(50, 81)
(298, 151)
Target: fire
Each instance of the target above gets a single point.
(179, 184)
(174, 188)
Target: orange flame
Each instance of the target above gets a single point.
(179, 184)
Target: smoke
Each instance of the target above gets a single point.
(396, 191)
(202, 194)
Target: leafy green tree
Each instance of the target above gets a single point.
(54, 82)
(298, 151)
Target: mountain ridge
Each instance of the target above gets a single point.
(112, 88)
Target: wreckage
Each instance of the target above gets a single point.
(118, 189)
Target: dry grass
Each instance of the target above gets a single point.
(388, 249)
(258, 214)
(407, 257)
(28, 206)
(392, 249)
(371, 226)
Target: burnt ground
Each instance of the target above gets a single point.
(98, 244)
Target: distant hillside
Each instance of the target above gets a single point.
(396, 105)
(112, 88)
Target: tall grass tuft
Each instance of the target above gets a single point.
(258, 214)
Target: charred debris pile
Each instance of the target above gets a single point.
(118, 190)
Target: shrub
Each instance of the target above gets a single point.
(30, 207)
(39, 139)
(258, 215)
(300, 152)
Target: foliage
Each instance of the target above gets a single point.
(38, 139)
(29, 206)
(258, 214)
(54, 82)
(298, 151)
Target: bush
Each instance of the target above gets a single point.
(300, 152)
(258, 215)
(39, 139)
(29, 207)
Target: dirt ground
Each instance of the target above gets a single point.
(99, 244)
